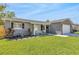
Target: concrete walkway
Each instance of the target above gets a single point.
(62, 35)
(72, 34)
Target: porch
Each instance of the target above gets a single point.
(40, 29)
(27, 28)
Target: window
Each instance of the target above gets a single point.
(12, 25)
(23, 25)
(42, 27)
(17, 25)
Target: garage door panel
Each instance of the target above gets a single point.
(66, 28)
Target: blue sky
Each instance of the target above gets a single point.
(44, 11)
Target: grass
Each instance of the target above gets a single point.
(42, 45)
(76, 32)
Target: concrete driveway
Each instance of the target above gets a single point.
(71, 34)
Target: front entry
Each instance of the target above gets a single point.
(47, 28)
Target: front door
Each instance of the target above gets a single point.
(47, 28)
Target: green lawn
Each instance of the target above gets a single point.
(43, 45)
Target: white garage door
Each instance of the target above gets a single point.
(66, 28)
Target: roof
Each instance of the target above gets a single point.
(37, 22)
(27, 20)
(61, 20)
(76, 24)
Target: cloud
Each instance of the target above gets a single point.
(32, 9)
(44, 8)
(63, 12)
(58, 14)
(46, 11)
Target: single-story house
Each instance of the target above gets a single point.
(75, 27)
(33, 27)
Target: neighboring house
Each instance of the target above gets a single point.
(33, 27)
(75, 27)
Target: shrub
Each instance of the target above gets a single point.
(2, 31)
(74, 30)
(1, 22)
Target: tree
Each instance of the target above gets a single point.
(6, 14)
(2, 8)
(2, 30)
(3, 14)
(10, 14)
(47, 20)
